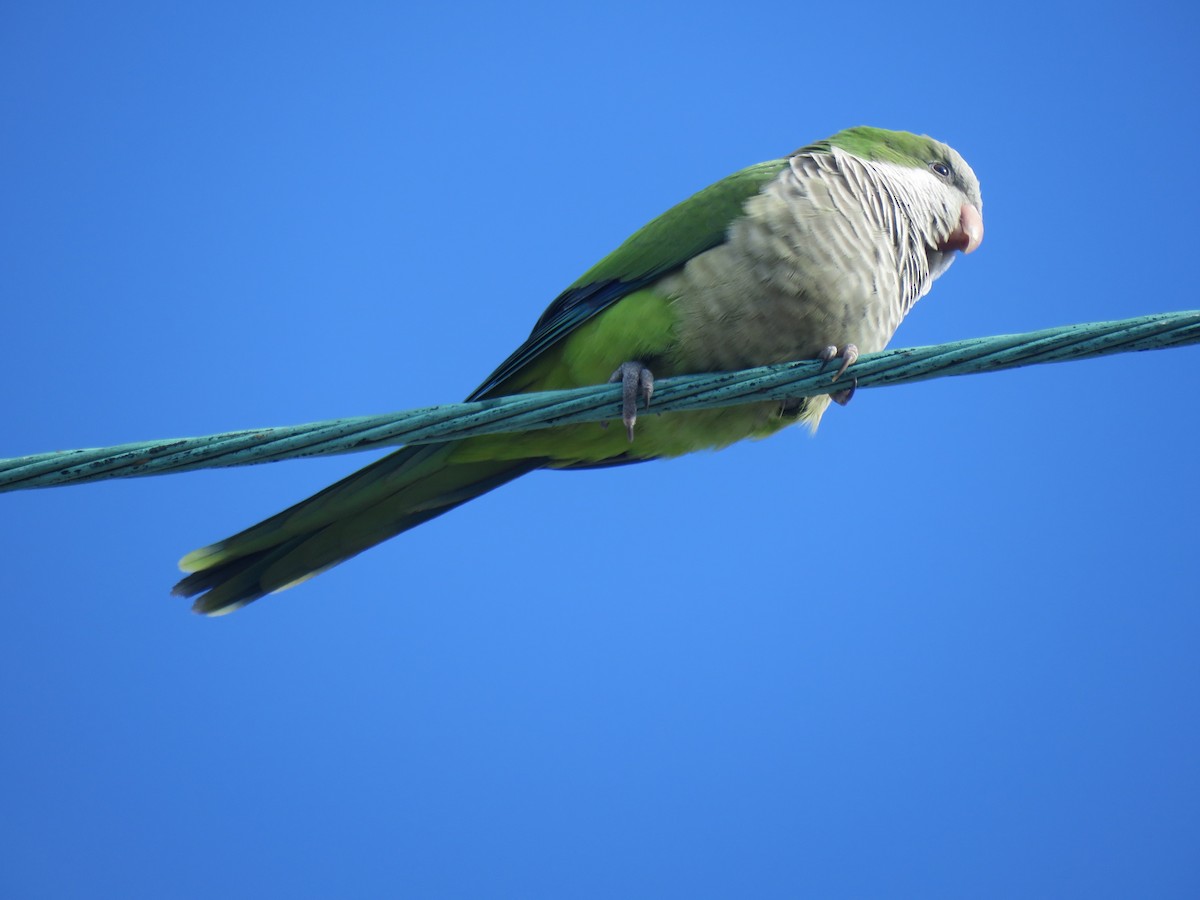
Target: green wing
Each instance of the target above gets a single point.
(417, 483)
(697, 224)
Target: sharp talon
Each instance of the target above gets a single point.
(826, 355)
(647, 381)
(849, 355)
(636, 380)
(843, 397)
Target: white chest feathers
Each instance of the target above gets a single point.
(829, 253)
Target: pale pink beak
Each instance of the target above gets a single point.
(969, 233)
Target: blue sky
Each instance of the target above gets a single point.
(945, 648)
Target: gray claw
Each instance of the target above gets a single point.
(636, 381)
(849, 355)
(843, 397)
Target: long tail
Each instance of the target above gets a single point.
(392, 495)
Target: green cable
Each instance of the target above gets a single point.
(525, 412)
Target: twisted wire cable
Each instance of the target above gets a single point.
(525, 412)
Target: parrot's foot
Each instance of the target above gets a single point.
(848, 355)
(636, 381)
(843, 397)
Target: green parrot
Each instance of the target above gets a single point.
(817, 255)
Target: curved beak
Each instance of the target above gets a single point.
(969, 233)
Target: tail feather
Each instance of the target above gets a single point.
(360, 489)
(396, 493)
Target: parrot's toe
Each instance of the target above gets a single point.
(636, 381)
(843, 397)
(848, 355)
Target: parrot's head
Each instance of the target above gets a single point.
(942, 192)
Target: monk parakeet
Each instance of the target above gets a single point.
(817, 255)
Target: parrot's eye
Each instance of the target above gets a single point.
(940, 168)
